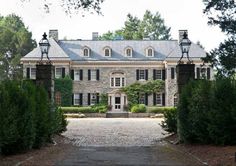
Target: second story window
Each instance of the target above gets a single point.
(117, 80)
(157, 74)
(128, 52)
(149, 52)
(59, 72)
(141, 74)
(31, 73)
(93, 75)
(86, 52)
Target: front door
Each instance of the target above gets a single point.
(117, 103)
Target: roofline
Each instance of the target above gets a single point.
(114, 40)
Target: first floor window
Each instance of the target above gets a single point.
(33, 73)
(142, 99)
(158, 99)
(93, 98)
(58, 73)
(76, 99)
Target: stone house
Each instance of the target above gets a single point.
(103, 67)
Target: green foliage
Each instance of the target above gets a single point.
(140, 108)
(16, 41)
(151, 26)
(103, 99)
(170, 120)
(99, 108)
(222, 14)
(155, 109)
(64, 86)
(25, 117)
(207, 112)
(136, 88)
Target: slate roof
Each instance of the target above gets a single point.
(72, 50)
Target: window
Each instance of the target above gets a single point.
(158, 99)
(60, 72)
(203, 73)
(93, 99)
(32, 73)
(157, 74)
(86, 52)
(150, 52)
(128, 52)
(93, 75)
(142, 74)
(78, 75)
(107, 52)
(78, 99)
(117, 80)
(142, 99)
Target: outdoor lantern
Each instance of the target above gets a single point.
(44, 46)
(185, 44)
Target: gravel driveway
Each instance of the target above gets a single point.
(114, 132)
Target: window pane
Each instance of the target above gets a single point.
(93, 98)
(86, 52)
(107, 52)
(76, 99)
(33, 73)
(158, 74)
(149, 52)
(141, 74)
(142, 99)
(76, 75)
(93, 75)
(117, 82)
(58, 72)
(158, 99)
(128, 52)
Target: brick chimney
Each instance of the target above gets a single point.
(181, 33)
(53, 33)
(95, 36)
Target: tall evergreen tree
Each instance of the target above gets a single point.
(222, 13)
(15, 41)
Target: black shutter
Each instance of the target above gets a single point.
(137, 74)
(146, 99)
(63, 72)
(172, 73)
(97, 75)
(88, 98)
(72, 74)
(163, 74)
(146, 74)
(81, 74)
(97, 98)
(81, 99)
(198, 73)
(154, 74)
(89, 74)
(154, 99)
(163, 99)
(72, 98)
(28, 73)
(208, 73)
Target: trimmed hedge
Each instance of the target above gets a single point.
(159, 109)
(207, 112)
(92, 109)
(140, 108)
(26, 119)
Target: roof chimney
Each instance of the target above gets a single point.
(181, 34)
(95, 36)
(53, 33)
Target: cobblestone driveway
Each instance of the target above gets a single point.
(114, 132)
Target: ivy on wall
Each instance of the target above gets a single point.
(64, 86)
(132, 91)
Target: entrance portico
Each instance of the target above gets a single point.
(117, 100)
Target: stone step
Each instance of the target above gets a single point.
(117, 115)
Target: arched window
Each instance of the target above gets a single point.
(150, 52)
(117, 80)
(107, 52)
(128, 52)
(86, 52)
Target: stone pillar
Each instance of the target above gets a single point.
(45, 78)
(185, 72)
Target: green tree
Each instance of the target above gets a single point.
(73, 6)
(151, 26)
(16, 41)
(224, 57)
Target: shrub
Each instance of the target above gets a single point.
(77, 109)
(64, 86)
(140, 108)
(159, 109)
(170, 120)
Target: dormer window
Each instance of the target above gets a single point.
(107, 52)
(150, 52)
(128, 52)
(86, 52)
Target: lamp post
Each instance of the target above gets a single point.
(44, 47)
(185, 72)
(185, 44)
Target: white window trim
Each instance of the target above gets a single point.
(114, 81)
(142, 79)
(86, 48)
(93, 99)
(104, 51)
(33, 78)
(91, 78)
(146, 51)
(57, 76)
(77, 99)
(156, 74)
(75, 74)
(160, 99)
(131, 52)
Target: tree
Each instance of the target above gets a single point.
(74, 6)
(224, 57)
(151, 26)
(16, 41)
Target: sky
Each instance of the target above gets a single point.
(178, 14)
